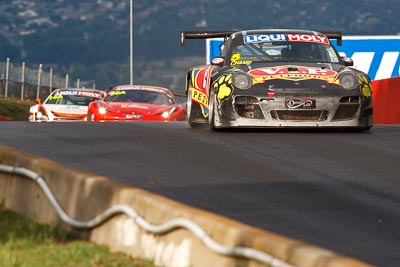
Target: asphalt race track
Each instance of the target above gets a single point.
(338, 190)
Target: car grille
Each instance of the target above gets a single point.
(248, 107)
(346, 112)
(347, 109)
(299, 115)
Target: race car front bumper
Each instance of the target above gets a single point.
(316, 111)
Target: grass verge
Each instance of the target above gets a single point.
(13, 109)
(25, 243)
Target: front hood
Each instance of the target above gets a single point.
(296, 75)
(66, 110)
(258, 65)
(136, 108)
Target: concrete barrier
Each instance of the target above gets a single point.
(386, 94)
(84, 195)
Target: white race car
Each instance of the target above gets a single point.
(64, 105)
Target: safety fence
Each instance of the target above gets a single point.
(18, 81)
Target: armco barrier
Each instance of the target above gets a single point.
(83, 196)
(386, 96)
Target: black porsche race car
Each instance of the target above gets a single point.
(277, 78)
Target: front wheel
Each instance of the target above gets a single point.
(89, 117)
(211, 109)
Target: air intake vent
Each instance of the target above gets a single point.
(346, 112)
(248, 107)
(350, 99)
(300, 115)
(245, 100)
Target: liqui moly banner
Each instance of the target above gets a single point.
(379, 56)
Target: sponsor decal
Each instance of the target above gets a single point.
(56, 96)
(71, 107)
(259, 38)
(89, 94)
(67, 92)
(200, 78)
(199, 97)
(133, 116)
(294, 37)
(293, 73)
(152, 89)
(235, 60)
(365, 86)
(117, 92)
(292, 70)
(300, 103)
(311, 38)
(59, 94)
(65, 111)
(223, 87)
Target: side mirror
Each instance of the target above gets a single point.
(218, 61)
(348, 61)
(38, 101)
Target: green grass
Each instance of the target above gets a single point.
(25, 243)
(15, 109)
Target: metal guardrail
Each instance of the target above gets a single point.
(164, 228)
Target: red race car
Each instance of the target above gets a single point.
(137, 103)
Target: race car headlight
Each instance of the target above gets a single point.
(39, 115)
(348, 80)
(102, 110)
(241, 80)
(166, 114)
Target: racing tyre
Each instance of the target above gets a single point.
(211, 109)
(89, 117)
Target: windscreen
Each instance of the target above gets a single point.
(281, 48)
(139, 96)
(72, 97)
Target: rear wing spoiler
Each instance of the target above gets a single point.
(225, 34)
(334, 35)
(204, 35)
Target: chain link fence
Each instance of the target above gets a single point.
(28, 84)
